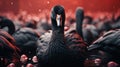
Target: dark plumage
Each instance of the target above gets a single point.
(8, 50)
(43, 41)
(90, 34)
(74, 38)
(105, 26)
(89, 30)
(107, 47)
(6, 45)
(70, 34)
(55, 53)
(58, 53)
(26, 39)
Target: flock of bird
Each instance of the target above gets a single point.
(76, 47)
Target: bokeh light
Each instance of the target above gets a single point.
(36, 6)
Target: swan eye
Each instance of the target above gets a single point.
(58, 20)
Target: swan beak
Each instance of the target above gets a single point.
(58, 20)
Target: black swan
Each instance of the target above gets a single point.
(74, 37)
(58, 53)
(8, 50)
(107, 47)
(25, 39)
(89, 30)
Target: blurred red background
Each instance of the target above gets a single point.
(35, 6)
